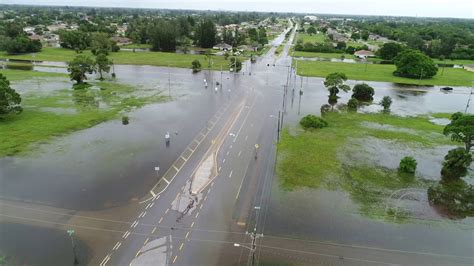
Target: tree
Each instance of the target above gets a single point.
(22, 44)
(101, 43)
(363, 92)
(311, 30)
(352, 104)
(455, 164)
(386, 102)
(196, 66)
(355, 36)
(312, 121)
(334, 82)
(390, 50)
(461, 129)
(10, 100)
(163, 36)
(341, 45)
(79, 67)
(103, 64)
(235, 64)
(414, 64)
(407, 165)
(74, 39)
(364, 35)
(206, 33)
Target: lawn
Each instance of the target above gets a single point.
(322, 55)
(312, 158)
(63, 111)
(15, 75)
(127, 58)
(314, 38)
(380, 72)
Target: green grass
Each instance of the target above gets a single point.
(380, 72)
(16, 75)
(314, 38)
(127, 58)
(322, 55)
(310, 158)
(136, 46)
(34, 125)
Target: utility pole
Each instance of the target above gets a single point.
(71, 233)
(169, 82)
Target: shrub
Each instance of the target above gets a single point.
(196, 66)
(407, 165)
(363, 92)
(386, 102)
(414, 64)
(312, 121)
(325, 108)
(352, 104)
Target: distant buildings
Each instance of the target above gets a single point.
(121, 40)
(363, 54)
(222, 47)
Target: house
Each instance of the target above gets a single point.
(121, 40)
(363, 54)
(36, 37)
(222, 46)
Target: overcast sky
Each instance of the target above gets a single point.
(421, 8)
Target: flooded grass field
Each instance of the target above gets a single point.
(345, 180)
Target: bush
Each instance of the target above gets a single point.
(312, 121)
(325, 108)
(352, 104)
(363, 92)
(456, 197)
(407, 165)
(386, 102)
(196, 66)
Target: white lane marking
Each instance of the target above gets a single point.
(187, 234)
(117, 245)
(190, 149)
(135, 224)
(148, 206)
(175, 168)
(227, 153)
(230, 147)
(152, 193)
(168, 182)
(219, 168)
(153, 203)
(192, 224)
(167, 210)
(240, 152)
(197, 142)
(105, 260)
(184, 158)
(146, 241)
(197, 214)
(175, 257)
(240, 187)
(153, 231)
(181, 246)
(161, 220)
(205, 198)
(126, 235)
(223, 161)
(200, 207)
(142, 214)
(230, 175)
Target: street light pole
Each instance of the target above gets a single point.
(71, 233)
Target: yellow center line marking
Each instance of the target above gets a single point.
(175, 257)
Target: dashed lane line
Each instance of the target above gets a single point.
(126, 235)
(192, 224)
(175, 257)
(230, 175)
(181, 246)
(161, 220)
(105, 260)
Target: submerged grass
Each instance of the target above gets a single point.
(16, 75)
(310, 158)
(35, 125)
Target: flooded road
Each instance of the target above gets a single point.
(111, 164)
